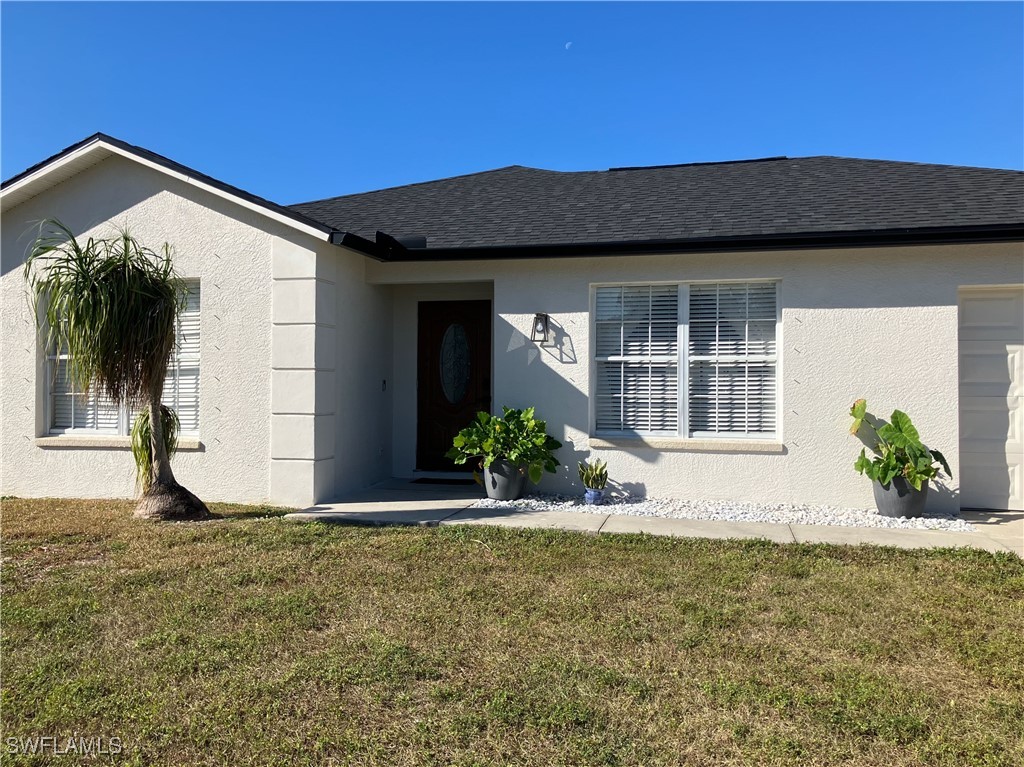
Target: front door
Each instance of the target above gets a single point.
(454, 379)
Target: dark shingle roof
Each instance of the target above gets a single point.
(517, 206)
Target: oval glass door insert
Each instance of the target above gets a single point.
(454, 363)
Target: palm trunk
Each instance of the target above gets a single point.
(165, 499)
(161, 473)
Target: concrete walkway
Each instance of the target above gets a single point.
(401, 502)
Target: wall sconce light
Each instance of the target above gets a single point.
(541, 328)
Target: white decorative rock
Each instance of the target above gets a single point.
(730, 511)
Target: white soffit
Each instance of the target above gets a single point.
(53, 173)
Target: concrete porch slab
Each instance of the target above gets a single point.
(412, 488)
(393, 502)
(697, 528)
(428, 512)
(413, 494)
(560, 520)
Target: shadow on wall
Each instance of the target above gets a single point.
(943, 495)
(626, 490)
(560, 348)
(528, 374)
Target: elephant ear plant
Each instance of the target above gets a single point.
(112, 306)
(516, 436)
(898, 450)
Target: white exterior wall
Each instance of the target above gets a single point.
(236, 254)
(308, 372)
(879, 323)
(360, 431)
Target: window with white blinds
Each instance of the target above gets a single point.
(729, 360)
(75, 411)
(732, 359)
(638, 358)
(181, 387)
(72, 410)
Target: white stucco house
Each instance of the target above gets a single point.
(708, 326)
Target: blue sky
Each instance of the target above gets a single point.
(301, 101)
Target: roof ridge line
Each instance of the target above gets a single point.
(774, 158)
(905, 162)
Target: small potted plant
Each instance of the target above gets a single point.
(594, 477)
(509, 448)
(902, 464)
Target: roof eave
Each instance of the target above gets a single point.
(387, 249)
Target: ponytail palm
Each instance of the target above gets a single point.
(111, 305)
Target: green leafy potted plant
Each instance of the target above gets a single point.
(594, 477)
(901, 465)
(509, 448)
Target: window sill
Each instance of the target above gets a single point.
(688, 445)
(102, 442)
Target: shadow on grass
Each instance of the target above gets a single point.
(237, 511)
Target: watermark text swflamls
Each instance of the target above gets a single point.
(55, 746)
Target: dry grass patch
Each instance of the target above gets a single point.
(253, 640)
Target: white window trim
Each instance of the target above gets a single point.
(124, 423)
(682, 434)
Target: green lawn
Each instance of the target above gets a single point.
(253, 640)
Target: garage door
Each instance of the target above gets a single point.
(992, 398)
